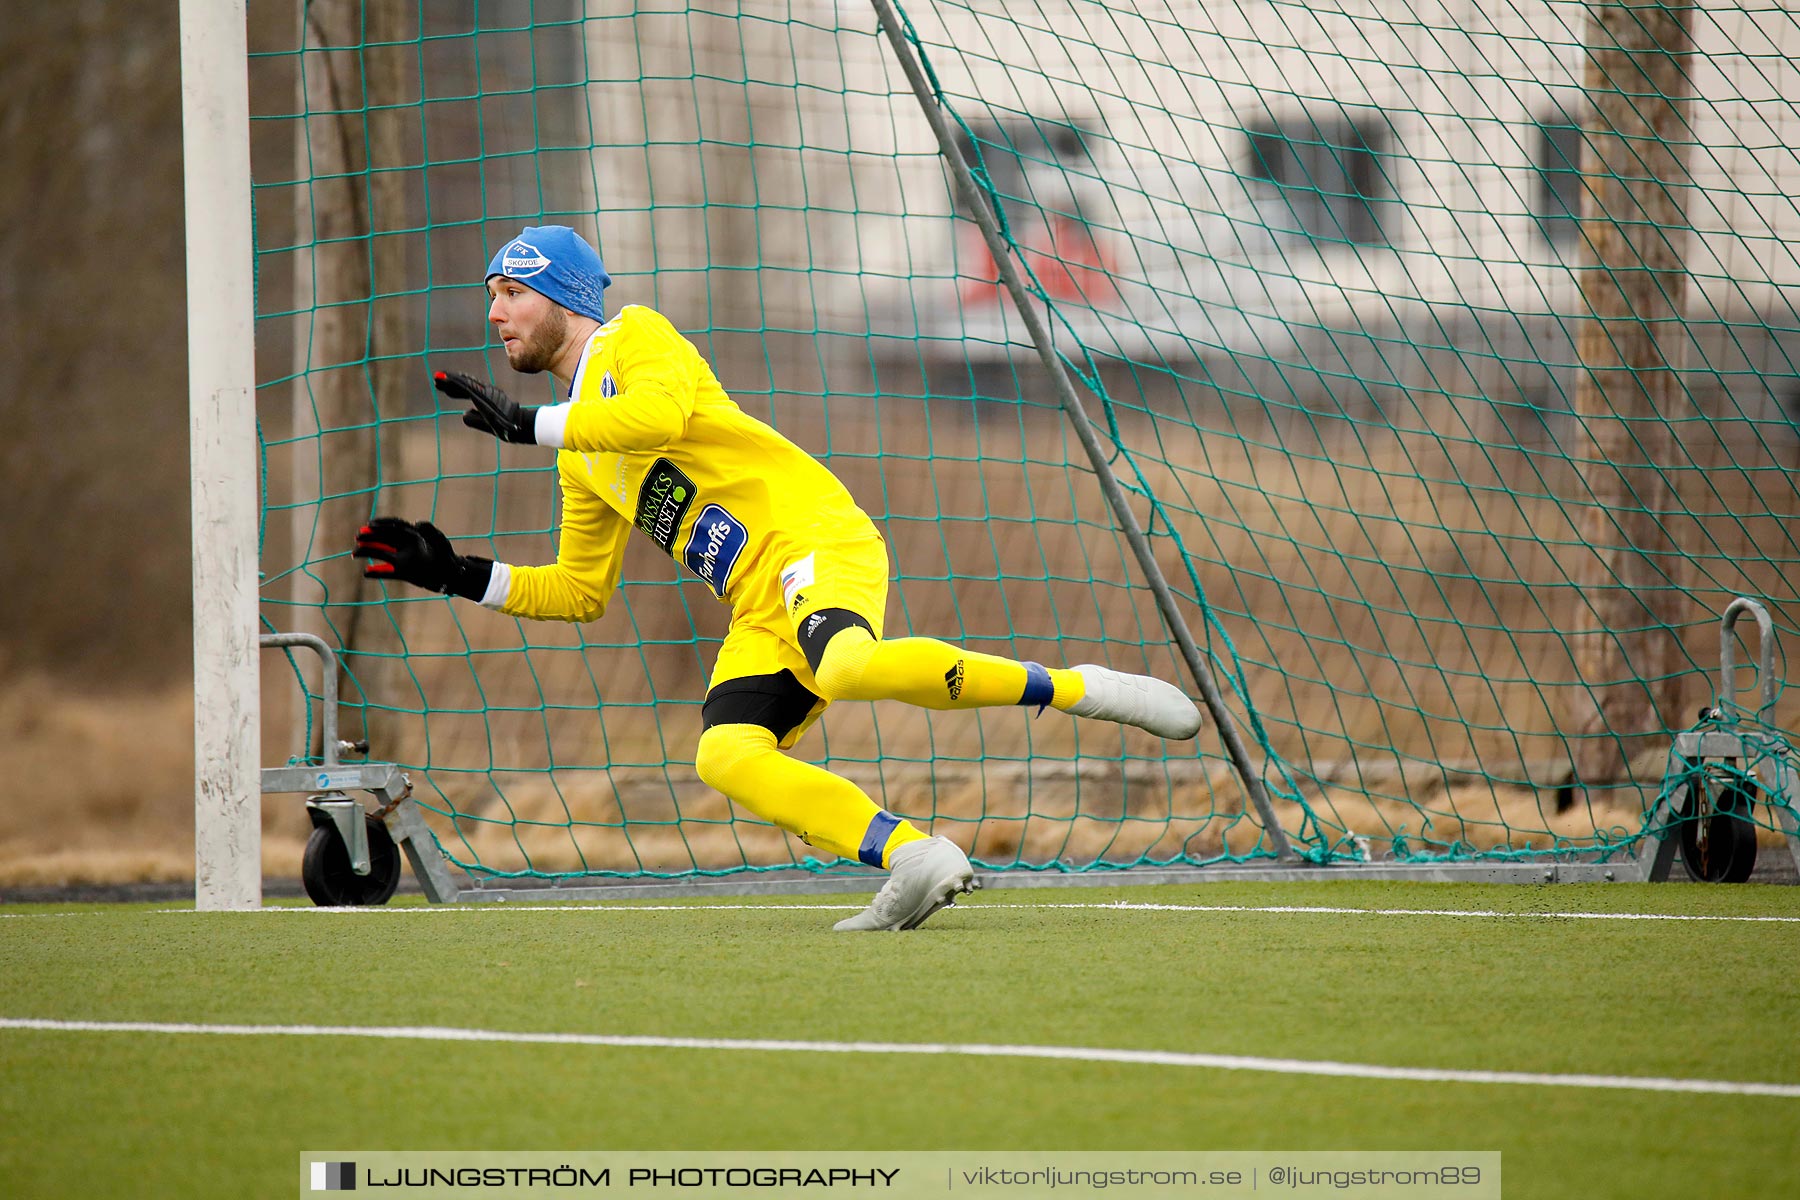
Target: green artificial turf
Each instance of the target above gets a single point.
(111, 1113)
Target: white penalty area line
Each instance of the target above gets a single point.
(1547, 914)
(625, 905)
(1158, 1058)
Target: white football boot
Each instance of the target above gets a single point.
(925, 876)
(1162, 708)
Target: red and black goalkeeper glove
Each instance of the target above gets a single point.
(422, 556)
(495, 412)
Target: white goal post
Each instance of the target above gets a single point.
(215, 121)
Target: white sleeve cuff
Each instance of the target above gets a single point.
(551, 421)
(499, 586)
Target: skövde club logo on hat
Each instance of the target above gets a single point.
(522, 260)
(557, 262)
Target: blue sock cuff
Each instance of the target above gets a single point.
(875, 838)
(1038, 688)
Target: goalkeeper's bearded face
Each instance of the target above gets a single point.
(532, 327)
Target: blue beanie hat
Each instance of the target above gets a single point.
(558, 262)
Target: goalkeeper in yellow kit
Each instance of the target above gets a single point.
(649, 440)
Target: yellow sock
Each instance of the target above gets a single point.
(934, 674)
(823, 810)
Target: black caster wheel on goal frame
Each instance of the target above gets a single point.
(1719, 845)
(325, 868)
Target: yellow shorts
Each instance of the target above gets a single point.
(764, 637)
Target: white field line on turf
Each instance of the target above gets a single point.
(626, 906)
(1160, 1058)
(977, 906)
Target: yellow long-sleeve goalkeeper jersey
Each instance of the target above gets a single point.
(650, 440)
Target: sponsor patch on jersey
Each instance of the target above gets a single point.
(522, 260)
(714, 546)
(607, 387)
(663, 501)
(795, 576)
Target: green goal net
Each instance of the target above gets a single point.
(1445, 352)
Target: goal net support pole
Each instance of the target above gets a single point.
(978, 203)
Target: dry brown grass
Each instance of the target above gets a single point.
(103, 788)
